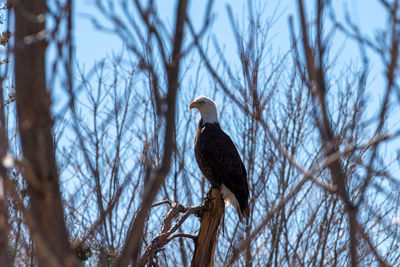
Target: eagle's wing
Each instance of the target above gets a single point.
(226, 165)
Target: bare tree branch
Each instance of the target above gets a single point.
(35, 128)
(132, 245)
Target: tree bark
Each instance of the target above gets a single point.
(132, 245)
(4, 226)
(207, 238)
(35, 129)
(4, 256)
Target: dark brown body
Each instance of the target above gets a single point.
(220, 163)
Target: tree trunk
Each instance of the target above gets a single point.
(207, 238)
(4, 255)
(35, 129)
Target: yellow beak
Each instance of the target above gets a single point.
(193, 105)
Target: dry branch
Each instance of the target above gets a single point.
(36, 126)
(131, 249)
(4, 227)
(4, 258)
(207, 238)
(205, 242)
(164, 236)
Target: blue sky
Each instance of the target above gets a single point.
(93, 45)
(367, 13)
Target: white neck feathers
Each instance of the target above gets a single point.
(209, 115)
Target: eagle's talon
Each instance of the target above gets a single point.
(207, 202)
(204, 206)
(200, 212)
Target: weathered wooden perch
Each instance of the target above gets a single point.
(165, 235)
(207, 238)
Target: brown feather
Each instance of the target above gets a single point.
(220, 163)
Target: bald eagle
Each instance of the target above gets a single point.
(218, 158)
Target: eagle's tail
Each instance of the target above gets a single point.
(230, 200)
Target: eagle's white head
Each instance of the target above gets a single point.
(207, 108)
